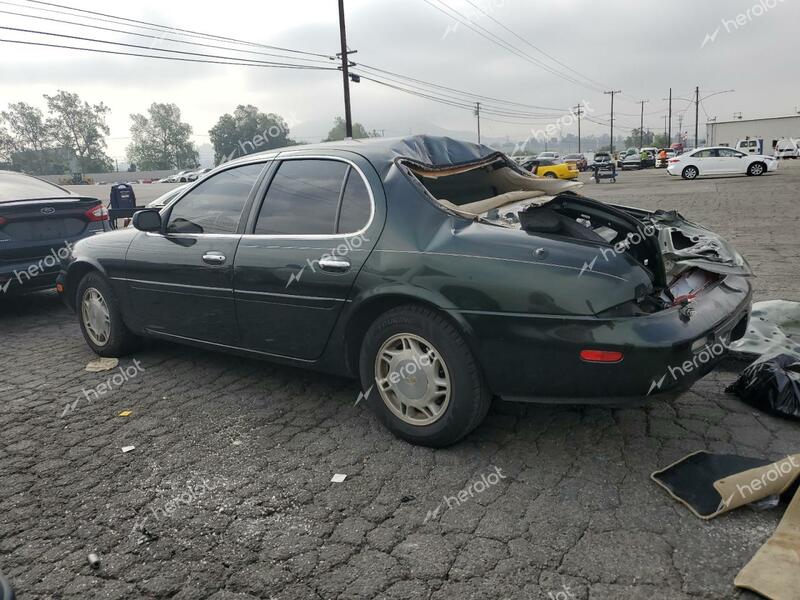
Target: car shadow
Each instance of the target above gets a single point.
(16, 306)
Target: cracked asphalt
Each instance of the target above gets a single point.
(228, 493)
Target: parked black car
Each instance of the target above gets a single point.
(39, 221)
(437, 271)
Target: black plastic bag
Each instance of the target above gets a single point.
(772, 385)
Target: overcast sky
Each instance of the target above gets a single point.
(641, 48)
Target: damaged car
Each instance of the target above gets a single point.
(436, 271)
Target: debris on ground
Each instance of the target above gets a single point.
(771, 384)
(774, 328)
(126, 413)
(102, 364)
(126, 449)
(338, 478)
(94, 561)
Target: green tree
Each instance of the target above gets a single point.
(661, 140)
(24, 137)
(80, 129)
(161, 140)
(246, 131)
(338, 131)
(632, 141)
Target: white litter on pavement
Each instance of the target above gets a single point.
(128, 449)
(102, 364)
(338, 478)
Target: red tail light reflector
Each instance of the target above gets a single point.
(601, 356)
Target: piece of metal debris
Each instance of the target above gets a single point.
(102, 364)
(94, 561)
(338, 478)
(126, 449)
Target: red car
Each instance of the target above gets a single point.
(579, 160)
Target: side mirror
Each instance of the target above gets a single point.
(147, 220)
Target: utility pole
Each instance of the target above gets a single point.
(348, 119)
(579, 112)
(478, 114)
(696, 114)
(641, 124)
(669, 133)
(666, 137)
(611, 93)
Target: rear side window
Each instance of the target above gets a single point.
(314, 197)
(215, 205)
(356, 207)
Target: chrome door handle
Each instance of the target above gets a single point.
(214, 258)
(336, 265)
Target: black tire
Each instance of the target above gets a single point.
(470, 398)
(551, 175)
(756, 169)
(121, 341)
(690, 172)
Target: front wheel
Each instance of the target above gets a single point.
(421, 378)
(100, 318)
(690, 173)
(756, 169)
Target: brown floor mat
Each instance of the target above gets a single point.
(774, 572)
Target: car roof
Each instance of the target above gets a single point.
(382, 152)
(18, 186)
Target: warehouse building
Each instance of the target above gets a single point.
(770, 129)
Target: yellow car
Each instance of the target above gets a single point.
(549, 168)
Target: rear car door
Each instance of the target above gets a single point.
(704, 162)
(305, 244)
(180, 280)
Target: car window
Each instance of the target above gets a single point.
(702, 154)
(303, 198)
(356, 207)
(729, 153)
(215, 205)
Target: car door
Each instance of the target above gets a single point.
(304, 247)
(180, 280)
(732, 161)
(703, 161)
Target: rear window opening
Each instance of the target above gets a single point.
(485, 188)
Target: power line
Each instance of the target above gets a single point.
(154, 37)
(519, 37)
(485, 33)
(178, 29)
(140, 47)
(176, 58)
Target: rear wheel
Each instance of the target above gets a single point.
(551, 175)
(690, 173)
(100, 318)
(756, 169)
(421, 378)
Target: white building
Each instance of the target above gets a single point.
(770, 129)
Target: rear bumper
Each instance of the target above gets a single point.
(537, 357)
(26, 277)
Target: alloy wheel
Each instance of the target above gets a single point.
(96, 316)
(413, 379)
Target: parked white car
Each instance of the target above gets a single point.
(548, 156)
(787, 148)
(720, 160)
